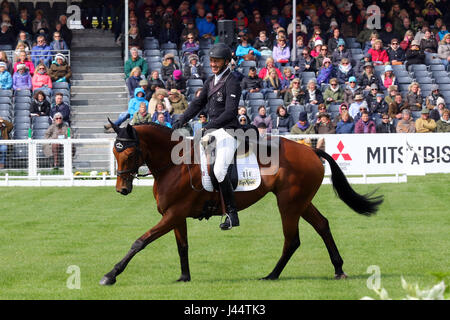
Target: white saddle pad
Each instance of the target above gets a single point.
(249, 176)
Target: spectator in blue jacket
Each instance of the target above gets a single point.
(244, 49)
(5, 77)
(206, 27)
(326, 72)
(41, 52)
(21, 79)
(345, 125)
(133, 107)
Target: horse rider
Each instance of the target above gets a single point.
(220, 97)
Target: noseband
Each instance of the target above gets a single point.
(124, 143)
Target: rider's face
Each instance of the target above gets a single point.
(216, 65)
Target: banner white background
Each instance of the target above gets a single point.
(414, 153)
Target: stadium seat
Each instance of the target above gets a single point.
(155, 66)
(5, 100)
(401, 73)
(441, 80)
(18, 113)
(271, 95)
(399, 67)
(437, 67)
(296, 108)
(256, 102)
(168, 45)
(20, 125)
(255, 96)
(22, 99)
(439, 74)
(403, 80)
(194, 82)
(444, 86)
(27, 93)
(248, 64)
(20, 134)
(60, 85)
(417, 67)
(421, 73)
(172, 51)
(152, 52)
(306, 76)
(6, 93)
(333, 107)
(151, 45)
(152, 59)
(424, 80)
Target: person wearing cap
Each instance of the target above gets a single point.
(388, 78)
(351, 90)
(21, 79)
(395, 53)
(317, 45)
(432, 99)
(60, 70)
(302, 126)
(177, 101)
(5, 77)
(359, 68)
(193, 69)
(436, 113)
(324, 125)
(176, 81)
(220, 98)
(378, 107)
(326, 72)
(160, 96)
(425, 124)
(388, 33)
(340, 52)
(356, 106)
(7, 36)
(365, 124)
(367, 78)
(168, 66)
(144, 85)
(414, 55)
(135, 61)
(154, 82)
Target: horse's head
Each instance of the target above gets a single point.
(128, 156)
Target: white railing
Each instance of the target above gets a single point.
(365, 159)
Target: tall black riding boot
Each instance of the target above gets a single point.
(232, 219)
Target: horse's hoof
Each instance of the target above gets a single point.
(339, 276)
(184, 278)
(106, 281)
(269, 277)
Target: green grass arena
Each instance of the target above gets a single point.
(43, 231)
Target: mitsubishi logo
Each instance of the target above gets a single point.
(340, 147)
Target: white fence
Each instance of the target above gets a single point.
(369, 158)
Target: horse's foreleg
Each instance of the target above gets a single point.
(182, 244)
(166, 224)
(320, 224)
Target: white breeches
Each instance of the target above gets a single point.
(226, 146)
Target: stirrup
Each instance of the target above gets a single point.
(228, 224)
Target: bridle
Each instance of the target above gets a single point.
(134, 172)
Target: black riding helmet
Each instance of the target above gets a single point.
(220, 51)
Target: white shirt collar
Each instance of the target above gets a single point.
(218, 77)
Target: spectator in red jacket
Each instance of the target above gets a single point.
(379, 55)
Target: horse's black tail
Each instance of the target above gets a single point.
(362, 204)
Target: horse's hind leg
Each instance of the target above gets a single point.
(320, 224)
(290, 215)
(182, 243)
(166, 224)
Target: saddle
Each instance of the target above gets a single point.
(243, 172)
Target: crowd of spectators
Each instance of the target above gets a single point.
(344, 75)
(35, 69)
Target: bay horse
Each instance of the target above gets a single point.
(178, 193)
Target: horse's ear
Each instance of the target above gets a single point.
(130, 131)
(115, 127)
